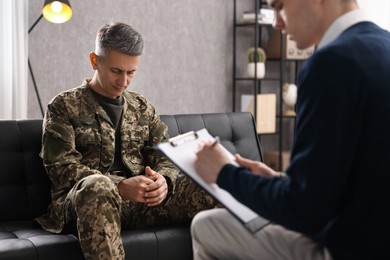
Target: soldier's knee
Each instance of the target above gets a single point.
(97, 185)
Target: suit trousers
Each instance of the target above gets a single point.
(216, 234)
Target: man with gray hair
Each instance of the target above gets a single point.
(97, 149)
(334, 201)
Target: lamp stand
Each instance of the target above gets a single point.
(31, 71)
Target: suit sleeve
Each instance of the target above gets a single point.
(329, 109)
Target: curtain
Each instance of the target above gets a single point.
(13, 58)
(378, 11)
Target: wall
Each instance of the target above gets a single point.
(187, 65)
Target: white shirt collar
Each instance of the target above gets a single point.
(341, 24)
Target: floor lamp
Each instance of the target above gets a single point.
(55, 11)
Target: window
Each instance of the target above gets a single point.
(13, 58)
(378, 11)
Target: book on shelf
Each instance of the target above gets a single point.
(263, 13)
(265, 111)
(264, 16)
(260, 21)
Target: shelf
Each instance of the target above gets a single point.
(252, 79)
(274, 81)
(265, 134)
(287, 117)
(252, 24)
(287, 60)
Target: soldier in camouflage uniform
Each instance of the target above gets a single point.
(98, 152)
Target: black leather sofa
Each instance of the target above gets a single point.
(25, 191)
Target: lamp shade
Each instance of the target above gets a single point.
(57, 11)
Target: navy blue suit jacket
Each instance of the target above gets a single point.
(338, 185)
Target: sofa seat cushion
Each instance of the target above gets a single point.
(26, 240)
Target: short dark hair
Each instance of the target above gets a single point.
(120, 37)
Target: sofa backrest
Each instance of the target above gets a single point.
(25, 187)
(236, 131)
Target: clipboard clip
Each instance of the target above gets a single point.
(183, 138)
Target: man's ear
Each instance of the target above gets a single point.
(93, 59)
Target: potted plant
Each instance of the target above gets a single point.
(256, 63)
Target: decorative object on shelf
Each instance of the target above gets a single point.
(289, 96)
(256, 63)
(289, 48)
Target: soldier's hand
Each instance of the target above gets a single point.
(134, 188)
(157, 191)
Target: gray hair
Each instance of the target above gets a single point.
(120, 37)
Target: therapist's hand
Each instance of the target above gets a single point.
(209, 162)
(256, 167)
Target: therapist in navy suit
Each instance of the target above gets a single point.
(334, 202)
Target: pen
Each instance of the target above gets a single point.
(216, 140)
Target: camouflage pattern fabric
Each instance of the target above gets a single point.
(77, 151)
(94, 207)
(179, 207)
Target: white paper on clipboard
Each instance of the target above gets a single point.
(181, 151)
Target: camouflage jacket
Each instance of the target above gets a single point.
(78, 140)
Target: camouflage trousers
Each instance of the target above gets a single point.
(96, 209)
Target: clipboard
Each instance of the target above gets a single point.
(181, 150)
